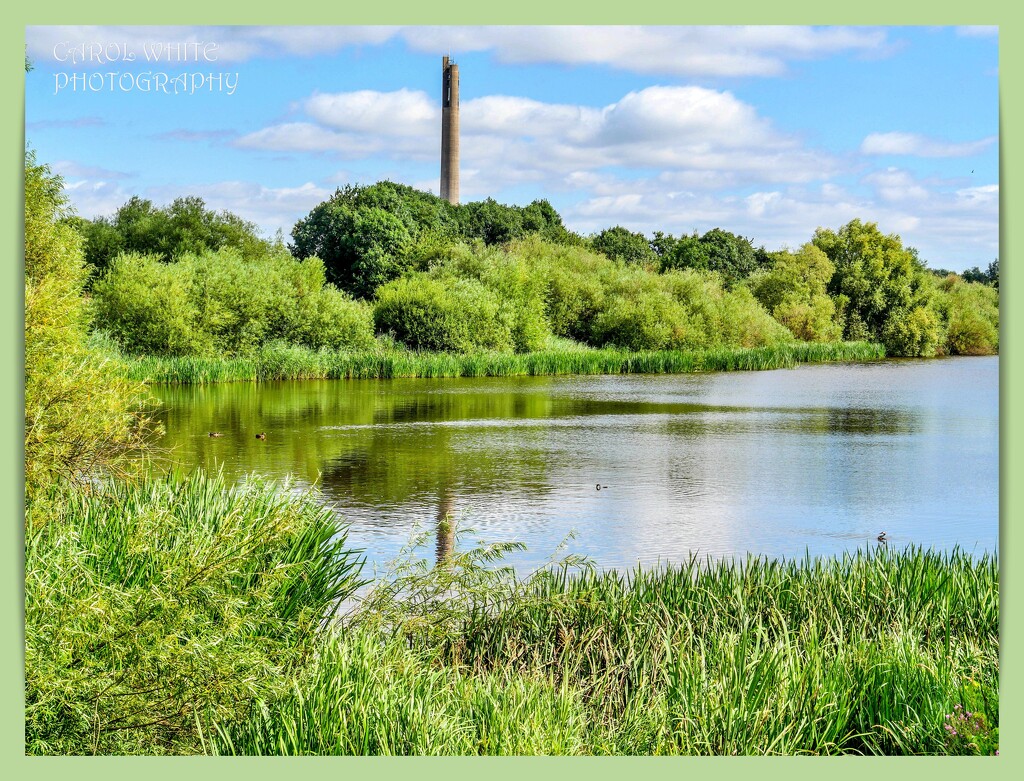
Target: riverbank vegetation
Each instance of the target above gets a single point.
(867, 654)
(377, 270)
(281, 361)
(181, 615)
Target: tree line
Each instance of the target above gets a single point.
(386, 260)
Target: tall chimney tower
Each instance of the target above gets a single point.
(450, 131)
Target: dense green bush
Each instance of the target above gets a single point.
(370, 235)
(362, 247)
(222, 302)
(447, 315)
(544, 289)
(970, 314)
(150, 307)
(153, 608)
(733, 257)
(618, 243)
(81, 414)
(795, 290)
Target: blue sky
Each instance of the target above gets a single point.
(769, 132)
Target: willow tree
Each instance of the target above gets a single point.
(81, 414)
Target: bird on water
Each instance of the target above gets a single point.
(882, 538)
(599, 486)
(261, 435)
(216, 434)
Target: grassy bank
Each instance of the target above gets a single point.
(184, 616)
(155, 607)
(876, 653)
(278, 362)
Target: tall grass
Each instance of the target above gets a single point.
(865, 654)
(280, 362)
(152, 607)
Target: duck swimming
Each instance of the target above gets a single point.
(261, 435)
(216, 434)
(882, 539)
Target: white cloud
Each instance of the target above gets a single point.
(312, 138)
(894, 185)
(69, 169)
(269, 207)
(757, 51)
(709, 134)
(917, 145)
(675, 51)
(404, 112)
(978, 30)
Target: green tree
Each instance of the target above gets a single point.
(880, 288)
(618, 243)
(795, 290)
(361, 247)
(448, 315)
(731, 255)
(184, 226)
(684, 252)
(81, 415)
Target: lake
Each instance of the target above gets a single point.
(819, 458)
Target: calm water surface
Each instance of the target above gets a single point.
(818, 458)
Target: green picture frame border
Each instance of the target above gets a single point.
(1011, 76)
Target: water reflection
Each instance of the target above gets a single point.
(818, 458)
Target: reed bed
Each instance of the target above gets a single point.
(873, 653)
(157, 605)
(295, 363)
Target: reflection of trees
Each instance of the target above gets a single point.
(372, 442)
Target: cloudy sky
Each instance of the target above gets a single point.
(769, 132)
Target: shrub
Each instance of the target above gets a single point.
(449, 315)
(881, 288)
(81, 414)
(794, 290)
(618, 243)
(970, 314)
(151, 307)
(221, 302)
(330, 319)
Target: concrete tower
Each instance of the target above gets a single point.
(450, 131)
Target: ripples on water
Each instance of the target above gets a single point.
(818, 458)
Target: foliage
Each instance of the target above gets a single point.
(369, 235)
(794, 289)
(881, 289)
(732, 256)
(361, 246)
(857, 655)
(684, 252)
(618, 243)
(81, 414)
(425, 313)
(969, 312)
(222, 302)
(969, 731)
(153, 607)
(990, 276)
(185, 226)
(282, 361)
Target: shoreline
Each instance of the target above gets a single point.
(291, 363)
